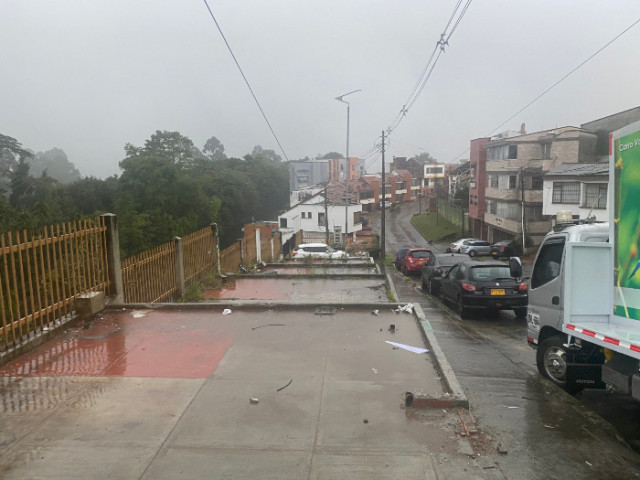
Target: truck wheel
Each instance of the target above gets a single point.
(520, 312)
(462, 310)
(551, 358)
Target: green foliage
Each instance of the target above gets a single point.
(54, 164)
(167, 188)
(434, 228)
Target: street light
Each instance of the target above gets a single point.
(346, 194)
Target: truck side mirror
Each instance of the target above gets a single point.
(515, 267)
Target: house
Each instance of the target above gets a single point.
(321, 213)
(307, 173)
(578, 187)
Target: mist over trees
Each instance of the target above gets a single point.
(167, 188)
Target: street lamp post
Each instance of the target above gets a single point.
(346, 194)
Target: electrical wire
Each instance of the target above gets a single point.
(564, 77)
(246, 80)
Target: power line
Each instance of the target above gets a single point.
(246, 80)
(563, 78)
(555, 84)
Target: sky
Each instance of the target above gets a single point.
(89, 76)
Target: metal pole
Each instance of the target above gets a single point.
(383, 238)
(346, 194)
(522, 194)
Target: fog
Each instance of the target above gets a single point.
(90, 76)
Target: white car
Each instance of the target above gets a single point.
(317, 250)
(455, 246)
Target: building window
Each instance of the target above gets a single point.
(595, 195)
(536, 182)
(308, 214)
(513, 151)
(491, 207)
(492, 181)
(283, 222)
(546, 151)
(512, 181)
(321, 220)
(566, 192)
(303, 215)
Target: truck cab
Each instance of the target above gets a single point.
(546, 301)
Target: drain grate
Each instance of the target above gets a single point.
(326, 311)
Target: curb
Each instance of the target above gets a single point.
(455, 397)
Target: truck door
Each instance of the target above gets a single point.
(545, 292)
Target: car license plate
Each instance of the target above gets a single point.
(497, 291)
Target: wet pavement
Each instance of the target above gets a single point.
(192, 392)
(542, 431)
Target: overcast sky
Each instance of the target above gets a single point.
(88, 76)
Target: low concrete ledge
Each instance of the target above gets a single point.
(455, 397)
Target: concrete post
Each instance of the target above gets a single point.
(116, 290)
(179, 266)
(216, 247)
(258, 246)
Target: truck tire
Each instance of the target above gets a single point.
(551, 358)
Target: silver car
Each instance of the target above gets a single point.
(476, 247)
(455, 246)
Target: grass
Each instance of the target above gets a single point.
(435, 229)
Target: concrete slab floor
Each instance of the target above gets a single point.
(166, 394)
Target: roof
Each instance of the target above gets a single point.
(579, 169)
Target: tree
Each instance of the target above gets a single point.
(259, 152)
(11, 152)
(425, 158)
(173, 146)
(55, 164)
(330, 156)
(214, 149)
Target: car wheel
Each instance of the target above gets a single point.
(432, 290)
(462, 310)
(520, 312)
(403, 270)
(472, 253)
(425, 287)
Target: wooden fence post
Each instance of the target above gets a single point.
(116, 290)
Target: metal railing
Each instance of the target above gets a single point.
(42, 272)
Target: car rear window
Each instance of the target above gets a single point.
(420, 254)
(488, 274)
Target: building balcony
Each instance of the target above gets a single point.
(530, 196)
(514, 226)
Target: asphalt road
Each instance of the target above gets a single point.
(542, 427)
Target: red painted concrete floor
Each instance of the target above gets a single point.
(131, 343)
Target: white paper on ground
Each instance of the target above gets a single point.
(407, 347)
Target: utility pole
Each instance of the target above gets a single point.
(326, 217)
(522, 196)
(382, 215)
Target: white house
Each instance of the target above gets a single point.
(579, 187)
(311, 216)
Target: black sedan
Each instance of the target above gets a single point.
(438, 268)
(484, 286)
(505, 248)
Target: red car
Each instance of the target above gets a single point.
(415, 259)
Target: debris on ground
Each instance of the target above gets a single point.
(269, 325)
(375, 312)
(282, 388)
(408, 347)
(253, 400)
(408, 308)
(226, 311)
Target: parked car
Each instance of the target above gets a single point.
(317, 250)
(505, 248)
(476, 247)
(433, 271)
(474, 285)
(455, 246)
(400, 256)
(415, 259)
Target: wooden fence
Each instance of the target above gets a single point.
(42, 273)
(151, 276)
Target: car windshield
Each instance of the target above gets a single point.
(420, 254)
(489, 273)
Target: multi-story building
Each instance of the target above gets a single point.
(307, 173)
(515, 168)
(477, 186)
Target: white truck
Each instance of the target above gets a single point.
(584, 293)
